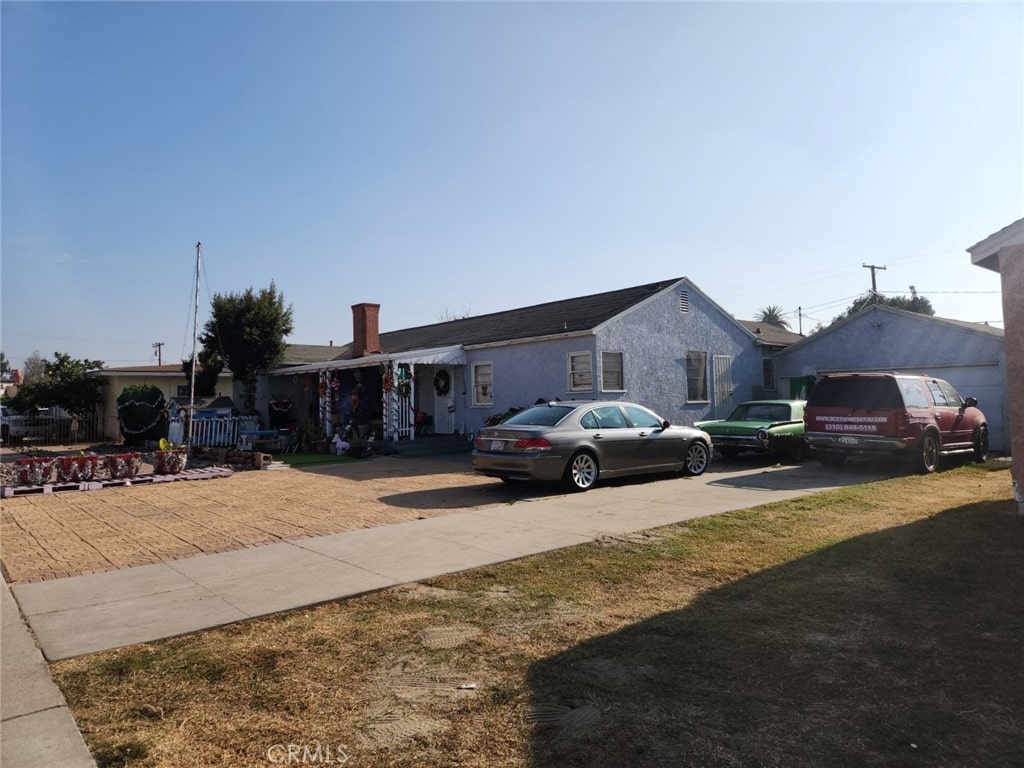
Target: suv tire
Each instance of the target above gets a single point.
(981, 445)
(928, 453)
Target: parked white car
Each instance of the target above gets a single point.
(12, 424)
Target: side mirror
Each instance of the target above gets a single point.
(666, 424)
(971, 402)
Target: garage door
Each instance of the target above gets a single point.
(984, 382)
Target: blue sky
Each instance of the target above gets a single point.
(453, 158)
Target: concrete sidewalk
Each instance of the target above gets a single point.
(36, 726)
(86, 614)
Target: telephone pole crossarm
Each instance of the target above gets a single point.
(873, 268)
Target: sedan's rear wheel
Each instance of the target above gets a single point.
(697, 458)
(581, 472)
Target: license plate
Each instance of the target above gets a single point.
(497, 445)
(845, 440)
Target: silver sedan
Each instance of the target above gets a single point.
(579, 442)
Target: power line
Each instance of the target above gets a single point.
(921, 292)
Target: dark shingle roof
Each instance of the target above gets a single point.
(567, 316)
(303, 354)
(771, 334)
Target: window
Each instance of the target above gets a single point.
(913, 393)
(581, 374)
(768, 373)
(611, 372)
(610, 417)
(938, 396)
(697, 377)
(952, 396)
(483, 384)
(183, 390)
(641, 417)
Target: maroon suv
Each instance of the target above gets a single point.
(890, 413)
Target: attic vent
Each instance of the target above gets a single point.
(684, 301)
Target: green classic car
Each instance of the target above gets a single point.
(764, 426)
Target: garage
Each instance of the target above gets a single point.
(969, 356)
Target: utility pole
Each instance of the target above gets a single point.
(873, 268)
(800, 319)
(159, 347)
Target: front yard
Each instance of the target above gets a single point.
(873, 625)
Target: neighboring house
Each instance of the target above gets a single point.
(773, 339)
(169, 378)
(1003, 252)
(969, 356)
(9, 382)
(665, 344)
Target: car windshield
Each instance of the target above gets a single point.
(541, 415)
(760, 412)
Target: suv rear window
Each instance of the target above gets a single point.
(864, 393)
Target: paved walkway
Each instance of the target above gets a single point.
(102, 611)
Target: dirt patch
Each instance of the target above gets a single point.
(65, 534)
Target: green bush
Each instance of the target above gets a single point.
(142, 413)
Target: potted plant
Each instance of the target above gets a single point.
(77, 469)
(170, 459)
(122, 465)
(34, 471)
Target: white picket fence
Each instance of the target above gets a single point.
(213, 433)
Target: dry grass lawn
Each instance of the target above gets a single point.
(878, 625)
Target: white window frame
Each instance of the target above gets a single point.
(580, 372)
(621, 370)
(483, 385)
(704, 359)
(768, 367)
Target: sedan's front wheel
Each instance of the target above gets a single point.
(581, 472)
(697, 458)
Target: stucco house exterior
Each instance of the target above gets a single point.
(170, 379)
(1003, 252)
(969, 356)
(665, 344)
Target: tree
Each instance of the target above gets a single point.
(69, 385)
(5, 367)
(772, 314)
(142, 413)
(210, 367)
(447, 315)
(63, 382)
(248, 331)
(912, 303)
(34, 369)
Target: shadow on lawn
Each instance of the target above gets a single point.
(901, 647)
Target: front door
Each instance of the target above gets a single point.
(443, 387)
(721, 371)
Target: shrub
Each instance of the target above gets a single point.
(142, 413)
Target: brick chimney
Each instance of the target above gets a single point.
(365, 329)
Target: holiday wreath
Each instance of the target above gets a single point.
(442, 383)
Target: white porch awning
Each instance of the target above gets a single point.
(435, 356)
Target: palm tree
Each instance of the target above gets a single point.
(772, 314)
